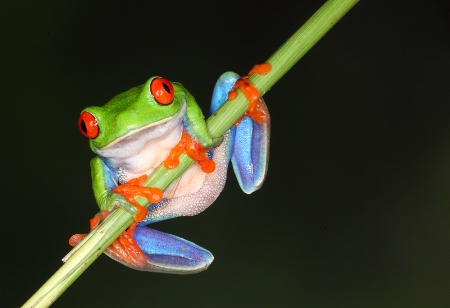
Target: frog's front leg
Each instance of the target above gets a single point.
(105, 182)
(105, 179)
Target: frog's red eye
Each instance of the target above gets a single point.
(162, 90)
(87, 124)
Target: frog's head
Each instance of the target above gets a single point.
(146, 108)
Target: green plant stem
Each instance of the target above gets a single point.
(93, 245)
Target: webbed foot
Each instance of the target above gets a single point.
(124, 247)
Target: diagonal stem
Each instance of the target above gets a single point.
(88, 250)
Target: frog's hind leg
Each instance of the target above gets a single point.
(250, 156)
(166, 253)
(248, 142)
(223, 86)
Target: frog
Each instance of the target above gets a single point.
(146, 126)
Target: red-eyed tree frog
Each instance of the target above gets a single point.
(141, 128)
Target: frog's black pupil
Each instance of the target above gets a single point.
(83, 127)
(166, 87)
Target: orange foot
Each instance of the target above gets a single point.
(93, 223)
(257, 111)
(124, 247)
(134, 188)
(194, 150)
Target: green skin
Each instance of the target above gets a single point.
(136, 134)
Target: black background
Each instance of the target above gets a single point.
(355, 208)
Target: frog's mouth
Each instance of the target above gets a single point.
(134, 140)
